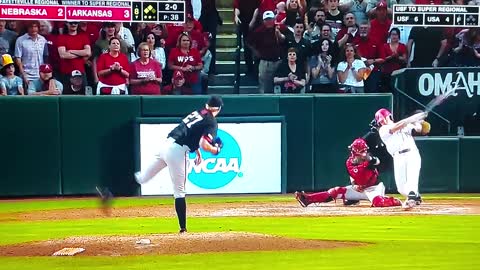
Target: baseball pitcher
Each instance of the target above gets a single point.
(361, 167)
(198, 129)
(397, 137)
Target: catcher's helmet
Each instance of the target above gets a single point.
(358, 146)
(381, 115)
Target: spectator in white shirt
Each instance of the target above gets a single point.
(31, 52)
(351, 70)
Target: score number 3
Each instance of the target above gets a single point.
(192, 118)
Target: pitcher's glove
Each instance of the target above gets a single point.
(425, 128)
(217, 142)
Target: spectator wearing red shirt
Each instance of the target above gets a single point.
(196, 36)
(146, 73)
(349, 32)
(380, 26)
(113, 70)
(395, 54)
(91, 29)
(74, 49)
(266, 42)
(265, 5)
(372, 55)
(188, 60)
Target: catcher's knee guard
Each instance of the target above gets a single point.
(336, 192)
(383, 201)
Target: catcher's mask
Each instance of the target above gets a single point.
(381, 115)
(358, 147)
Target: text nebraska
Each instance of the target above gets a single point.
(24, 11)
(91, 13)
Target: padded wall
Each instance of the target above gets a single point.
(29, 146)
(98, 143)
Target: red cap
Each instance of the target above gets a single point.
(46, 68)
(382, 4)
(178, 75)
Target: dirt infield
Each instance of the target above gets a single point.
(170, 244)
(438, 207)
(212, 242)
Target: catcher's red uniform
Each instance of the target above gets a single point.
(364, 174)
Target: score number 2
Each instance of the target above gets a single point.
(169, 7)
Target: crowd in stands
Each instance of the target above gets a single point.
(109, 58)
(291, 46)
(351, 46)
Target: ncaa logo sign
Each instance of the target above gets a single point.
(216, 171)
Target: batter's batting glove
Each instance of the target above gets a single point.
(425, 128)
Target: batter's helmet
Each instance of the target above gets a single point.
(358, 146)
(381, 115)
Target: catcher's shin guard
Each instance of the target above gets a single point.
(319, 197)
(338, 193)
(383, 201)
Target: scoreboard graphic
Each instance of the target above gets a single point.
(94, 10)
(436, 15)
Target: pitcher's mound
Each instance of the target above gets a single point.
(170, 244)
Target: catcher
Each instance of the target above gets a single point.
(361, 167)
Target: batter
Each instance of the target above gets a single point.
(397, 137)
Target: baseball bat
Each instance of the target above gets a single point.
(440, 99)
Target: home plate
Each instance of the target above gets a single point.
(68, 251)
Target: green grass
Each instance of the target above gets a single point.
(397, 242)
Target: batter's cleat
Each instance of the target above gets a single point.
(411, 200)
(351, 202)
(300, 197)
(182, 230)
(418, 200)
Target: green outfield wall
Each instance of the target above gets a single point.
(68, 145)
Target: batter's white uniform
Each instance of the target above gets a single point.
(406, 158)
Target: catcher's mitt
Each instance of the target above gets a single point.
(425, 127)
